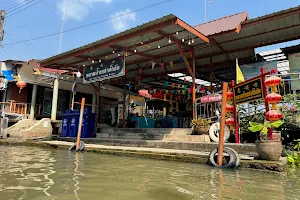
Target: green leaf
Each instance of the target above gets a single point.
(264, 130)
(277, 123)
(297, 146)
(267, 124)
(290, 159)
(254, 124)
(256, 128)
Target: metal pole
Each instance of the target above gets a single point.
(80, 123)
(211, 78)
(33, 101)
(222, 123)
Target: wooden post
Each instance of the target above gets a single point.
(236, 123)
(194, 85)
(222, 123)
(263, 77)
(211, 74)
(80, 123)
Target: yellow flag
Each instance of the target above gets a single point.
(239, 75)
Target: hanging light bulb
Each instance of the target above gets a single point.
(135, 51)
(182, 40)
(113, 51)
(119, 54)
(189, 42)
(78, 74)
(148, 46)
(158, 46)
(170, 41)
(142, 42)
(126, 54)
(177, 32)
(100, 60)
(83, 65)
(106, 57)
(93, 61)
(193, 41)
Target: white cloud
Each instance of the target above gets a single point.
(77, 10)
(121, 19)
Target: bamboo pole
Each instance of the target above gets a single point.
(222, 123)
(80, 123)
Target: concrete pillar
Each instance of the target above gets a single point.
(94, 102)
(54, 100)
(33, 101)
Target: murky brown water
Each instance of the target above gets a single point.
(35, 173)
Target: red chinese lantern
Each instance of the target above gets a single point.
(273, 98)
(229, 95)
(272, 82)
(229, 108)
(21, 85)
(273, 115)
(229, 121)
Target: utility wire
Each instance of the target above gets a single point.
(18, 5)
(41, 17)
(23, 9)
(93, 23)
(21, 58)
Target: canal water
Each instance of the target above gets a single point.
(43, 174)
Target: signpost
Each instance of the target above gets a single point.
(104, 70)
(248, 91)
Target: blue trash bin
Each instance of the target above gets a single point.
(74, 121)
(88, 125)
(65, 124)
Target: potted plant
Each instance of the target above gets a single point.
(268, 149)
(200, 126)
(294, 157)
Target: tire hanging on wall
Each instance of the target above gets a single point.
(214, 132)
(232, 162)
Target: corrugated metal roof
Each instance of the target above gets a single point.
(223, 24)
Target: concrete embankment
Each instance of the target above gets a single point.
(155, 153)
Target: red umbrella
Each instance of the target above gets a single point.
(144, 93)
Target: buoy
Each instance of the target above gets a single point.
(81, 146)
(214, 131)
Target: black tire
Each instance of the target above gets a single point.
(233, 158)
(81, 146)
(238, 159)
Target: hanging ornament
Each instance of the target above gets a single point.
(191, 54)
(178, 91)
(178, 86)
(126, 71)
(171, 63)
(272, 82)
(190, 91)
(173, 85)
(147, 66)
(273, 98)
(21, 84)
(166, 83)
(129, 86)
(273, 115)
(162, 65)
(140, 71)
(167, 91)
(184, 79)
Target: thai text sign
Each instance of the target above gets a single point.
(105, 70)
(211, 98)
(248, 91)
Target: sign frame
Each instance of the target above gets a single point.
(249, 82)
(107, 69)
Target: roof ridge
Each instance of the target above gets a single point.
(222, 18)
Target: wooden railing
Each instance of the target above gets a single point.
(13, 107)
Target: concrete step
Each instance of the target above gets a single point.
(130, 135)
(186, 138)
(177, 131)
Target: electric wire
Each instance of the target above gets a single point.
(9, 15)
(93, 23)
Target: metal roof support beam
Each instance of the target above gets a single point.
(191, 30)
(185, 60)
(214, 41)
(122, 38)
